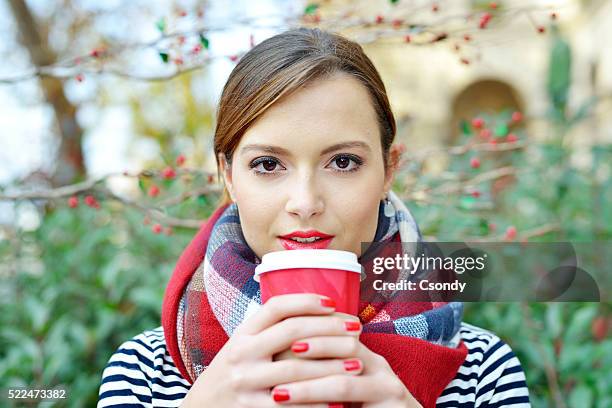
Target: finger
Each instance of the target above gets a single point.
(280, 336)
(270, 374)
(284, 306)
(327, 347)
(346, 388)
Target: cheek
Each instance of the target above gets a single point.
(257, 209)
(357, 204)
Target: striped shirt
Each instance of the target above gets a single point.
(141, 373)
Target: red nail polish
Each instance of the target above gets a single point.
(280, 394)
(352, 326)
(299, 347)
(325, 302)
(352, 365)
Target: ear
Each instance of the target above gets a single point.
(395, 154)
(226, 172)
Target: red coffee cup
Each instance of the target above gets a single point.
(328, 272)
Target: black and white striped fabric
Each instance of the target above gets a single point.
(141, 374)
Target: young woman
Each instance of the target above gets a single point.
(304, 144)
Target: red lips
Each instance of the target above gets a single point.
(322, 243)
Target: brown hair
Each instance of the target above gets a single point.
(282, 64)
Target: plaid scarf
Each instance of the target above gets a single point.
(211, 294)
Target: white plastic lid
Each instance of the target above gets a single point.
(308, 258)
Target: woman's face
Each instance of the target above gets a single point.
(312, 162)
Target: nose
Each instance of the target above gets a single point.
(305, 198)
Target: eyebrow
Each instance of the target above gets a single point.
(281, 151)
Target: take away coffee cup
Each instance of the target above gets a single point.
(328, 272)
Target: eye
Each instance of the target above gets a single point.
(264, 165)
(346, 163)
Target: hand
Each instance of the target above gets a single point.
(377, 386)
(242, 372)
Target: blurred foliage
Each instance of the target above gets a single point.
(78, 286)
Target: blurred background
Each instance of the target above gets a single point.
(504, 112)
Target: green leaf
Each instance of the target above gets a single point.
(311, 8)
(141, 185)
(554, 319)
(581, 397)
(501, 130)
(580, 324)
(161, 25)
(204, 41)
(164, 56)
(393, 1)
(465, 127)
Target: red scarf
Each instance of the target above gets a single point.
(424, 368)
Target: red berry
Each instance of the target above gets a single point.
(477, 123)
(485, 133)
(95, 53)
(599, 328)
(517, 116)
(475, 193)
(91, 202)
(182, 13)
(511, 138)
(196, 48)
(435, 8)
(407, 38)
(493, 141)
(180, 160)
(168, 173)
(541, 29)
(178, 61)
(475, 162)
(484, 20)
(153, 191)
(73, 202)
(156, 228)
(396, 23)
(467, 37)
(233, 58)
(511, 232)
(493, 5)
(379, 19)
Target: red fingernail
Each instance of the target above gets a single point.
(326, 302)
(352, 326)
(299, 347)
(280, 394)
(352, 365)
(335, 405)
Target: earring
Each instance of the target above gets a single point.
(389, 209)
